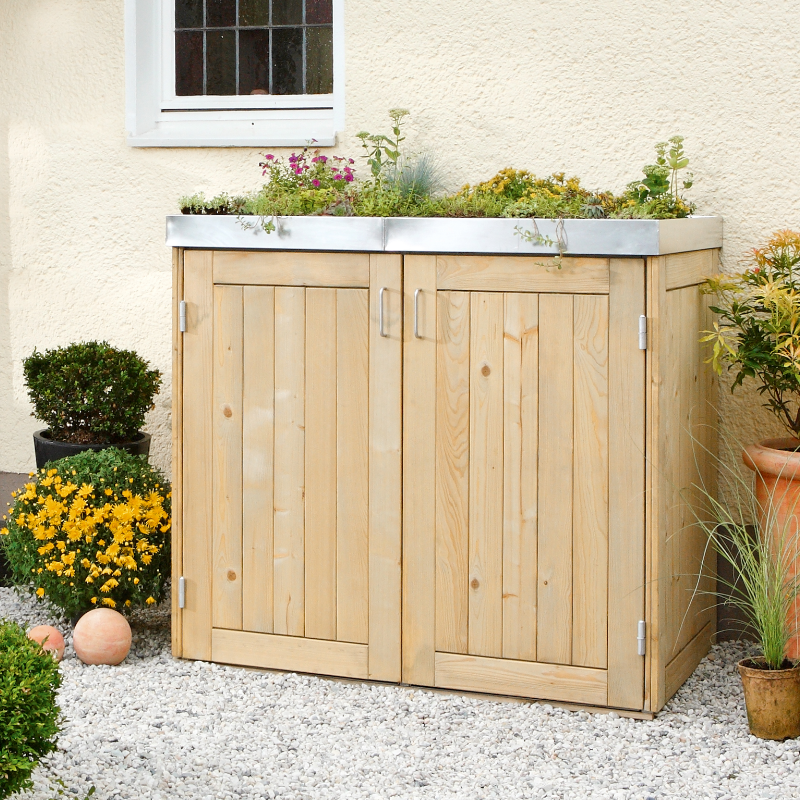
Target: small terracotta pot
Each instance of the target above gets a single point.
(777, 468)
(772, 697)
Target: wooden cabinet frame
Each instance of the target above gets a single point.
(653, 398)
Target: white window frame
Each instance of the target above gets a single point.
(155, 117)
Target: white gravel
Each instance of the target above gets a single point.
(157, 727)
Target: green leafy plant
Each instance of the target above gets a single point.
(90, 392)
(92, 530)
(764, 585)
(660, 182)
(383, 152)
(29, 715)
(758, 330)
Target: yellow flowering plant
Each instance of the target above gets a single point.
(91, 530)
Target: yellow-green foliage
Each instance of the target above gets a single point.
(758, 332)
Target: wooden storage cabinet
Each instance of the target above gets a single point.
(451, 471)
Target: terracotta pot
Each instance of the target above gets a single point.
(777, 468)
(772, 697)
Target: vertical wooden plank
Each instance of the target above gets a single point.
(554, 635)
(590, 488)
(289, 524)
(655, 507)
(198, 356)
(452, 472)
(320, 416)
(626, 382)
(419, 474)
(385, 491)
(352, 465)
(227, 457)
(258, 444)
(486, 475)
(520, 482)
(177, 450)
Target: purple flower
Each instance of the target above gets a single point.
(351, 161)
(315, 182)
(269, 156)
(348, 178)
(323, 159)
(337, 176)
(297, 171)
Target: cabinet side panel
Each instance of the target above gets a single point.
(177, 449)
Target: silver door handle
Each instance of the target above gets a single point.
(416, 313)
(380, 312)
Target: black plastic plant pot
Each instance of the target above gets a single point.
(48, 449)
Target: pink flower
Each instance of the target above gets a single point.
(337, 177)
(323, 159)
(315, 182)
(269, 156)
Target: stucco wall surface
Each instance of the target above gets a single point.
(550, 85)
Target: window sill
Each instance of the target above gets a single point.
(237, 133)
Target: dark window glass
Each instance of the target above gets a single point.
(220, 62)
(287, 61)
(254, 12)
(254, 62)
(287, 12)
(319, 60)
(220, 13)
(188, 63)
(318, 12)
(272, 47)
(188, 13)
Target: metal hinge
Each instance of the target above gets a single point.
(182, 316)
(181, 592)
(640, 637)
(643, 332)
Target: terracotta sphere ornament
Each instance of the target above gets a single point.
(49, 638)
(102, 636)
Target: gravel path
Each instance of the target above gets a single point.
(156, 727)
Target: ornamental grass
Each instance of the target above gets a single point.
(91, 530)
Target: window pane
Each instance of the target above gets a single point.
(220, 13)
(287, 12)
(319, 60)
(188, 13)
(254, 12)
(287, 61)
(220, 62)
(188, 63)
(253, 62)
(319, 12)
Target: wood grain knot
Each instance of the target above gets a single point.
(227, 411)
(486, 370)
(475, 583)
(545, 583)
(231, 575)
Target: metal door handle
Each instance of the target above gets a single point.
(416, 313)
(380, 312)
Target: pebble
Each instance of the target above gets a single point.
(156, 727)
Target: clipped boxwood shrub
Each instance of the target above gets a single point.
(92, 530)
(91, 392)
(29, 715)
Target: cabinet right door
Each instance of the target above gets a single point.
(524, 477)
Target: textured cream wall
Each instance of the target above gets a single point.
(585, 87)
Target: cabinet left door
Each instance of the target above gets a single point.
(290, 461)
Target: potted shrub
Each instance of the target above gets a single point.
(29, 715)
(758, 336)
(91, 396)
(92, 530)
